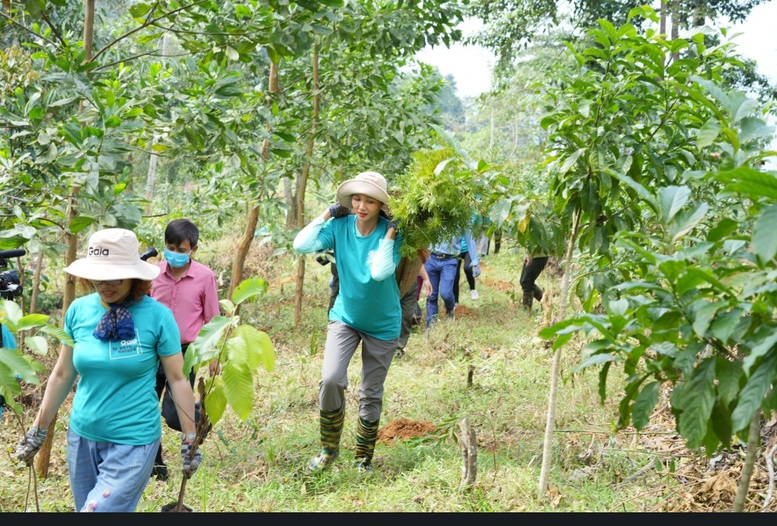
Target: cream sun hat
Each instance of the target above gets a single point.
(113, 254)
(371, 184)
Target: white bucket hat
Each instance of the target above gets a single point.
(113, 254)
(371, 184)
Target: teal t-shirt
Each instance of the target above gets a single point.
(9, 342)
(363, 303)
(115, 400)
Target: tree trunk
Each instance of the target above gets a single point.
(253, 214)
(44, 457)
(469, 455)
(299, 196)
(547, 445)
(662, 23)
(753, 443)
(36, 282)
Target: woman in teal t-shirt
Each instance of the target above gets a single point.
(367, 310)
(120, 335)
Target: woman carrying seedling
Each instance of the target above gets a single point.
(367, 310)
(120, 336)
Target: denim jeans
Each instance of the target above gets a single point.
(108, 477)
(442, 273)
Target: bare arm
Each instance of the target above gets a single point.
(181, 391)
(426, 287)
(57, 389)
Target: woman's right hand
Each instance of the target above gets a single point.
(30, 445)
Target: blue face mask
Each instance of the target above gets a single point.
(176, 260)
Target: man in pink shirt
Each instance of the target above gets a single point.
(190, 290)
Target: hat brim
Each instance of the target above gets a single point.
(83, 268)
(353, 186)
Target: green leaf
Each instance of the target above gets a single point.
(18, 365)
(698, 398)
(749, 182)
(765, 233)
(32, 321)
(79, 223)
(753, 393)
(703, 313)
(708, 133)
(259, 348)
(216, 400)
(672, 199)
(724, 324)
(644, 404)
(248, 289)
(239, 388)
(687, 221)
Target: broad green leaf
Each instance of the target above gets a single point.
(644, 404)
(749, 182)
(698, 397)
(672, 199)
(728, 374)
(571, 161)
(766, 338)
(703, 314)
(708, 133)
(32, 321)
(248, 289)
(765, 233)
(239, 388)
(724, 324)
(753, 393)
(37, 344)
(216, 401)
(686, 221)
(80, 223)
(17, 364)
(10, 314)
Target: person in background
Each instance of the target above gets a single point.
(441, 268)
(190, 290)
(410, 307)
(533, 265)
(7, 341)
(366, 311)
(120, 335)
(465, 260)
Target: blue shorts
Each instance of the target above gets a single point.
(108, 477)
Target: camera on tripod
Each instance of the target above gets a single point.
(10, 285)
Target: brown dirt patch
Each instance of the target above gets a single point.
(402, 429)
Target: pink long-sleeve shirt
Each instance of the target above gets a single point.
(193, 298)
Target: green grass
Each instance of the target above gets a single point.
(259, 465)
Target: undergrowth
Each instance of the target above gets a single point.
(487, 366)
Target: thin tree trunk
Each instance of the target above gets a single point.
(299, 197)
(753, 443)
(547, 444)
(36, 282)
(44, 457)
(253, 214)
(662, 23)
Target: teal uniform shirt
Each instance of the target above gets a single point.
(115, 400)
(368, 300)
(9, 342)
